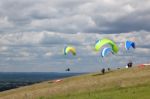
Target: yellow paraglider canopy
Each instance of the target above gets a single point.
(69, 49)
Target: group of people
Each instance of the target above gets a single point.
(129, 65)
(103, 70)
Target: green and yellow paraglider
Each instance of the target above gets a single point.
(72, 51)
(105, 41)
(69, 49)
(112, 49)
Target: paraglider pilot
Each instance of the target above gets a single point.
(68, 69)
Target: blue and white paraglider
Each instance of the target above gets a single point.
(129, 44)
(106, 51)
(106, 55)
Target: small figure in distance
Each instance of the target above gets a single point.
(130, 64)
(68, 69)
(103, 71)
(108, 69)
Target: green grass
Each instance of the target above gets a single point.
(137, 92)
(133, 83)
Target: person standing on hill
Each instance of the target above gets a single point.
(129, 64)
(103, 71)
(108, 69)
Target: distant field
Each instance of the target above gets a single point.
(11, 80)
(133, 83)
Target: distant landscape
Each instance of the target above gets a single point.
(131, 83)
(74, 49)
(10, 80)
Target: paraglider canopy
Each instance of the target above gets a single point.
(141, 66)
(69, 49)
(105, 41)
(106, 51)
(129, 44)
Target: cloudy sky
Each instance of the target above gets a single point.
(33, 33)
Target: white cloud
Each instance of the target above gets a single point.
(4, 22)
(46, 49)
(35, 32)
(48, 54)
(105, 16)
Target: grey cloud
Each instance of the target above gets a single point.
(75, 16)
(54, 40)
(35, 32)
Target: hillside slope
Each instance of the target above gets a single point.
(133, 83)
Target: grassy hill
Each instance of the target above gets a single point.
(133, 83)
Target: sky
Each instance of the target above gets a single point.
(33, 34)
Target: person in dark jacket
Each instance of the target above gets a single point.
(103, 71)
(129, 64)
(108, 69)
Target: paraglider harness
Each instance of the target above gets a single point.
(68, 69)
